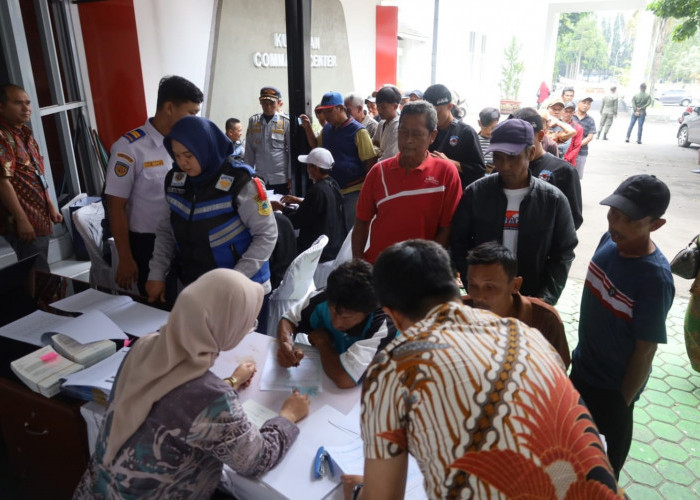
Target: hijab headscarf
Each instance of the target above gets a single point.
(212, 314)
(205, 141)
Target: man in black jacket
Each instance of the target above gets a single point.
(456, 141)
(525, 214)
(554, 170)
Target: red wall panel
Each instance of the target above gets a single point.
(114, 66)
(387, 45)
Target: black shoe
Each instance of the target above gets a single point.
(627, 140)
(605, 137)
(639, 142)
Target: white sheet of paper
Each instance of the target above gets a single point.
(350, 422)
(306, 377)
(90, 327)
(32, 327)
(293, 476)
(350, 458)
(257, 413)
(137, 319)
(272, 196)
(100, 375)
(91, 299)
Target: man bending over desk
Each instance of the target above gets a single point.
(343, 321)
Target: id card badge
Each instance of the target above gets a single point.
(42, 178)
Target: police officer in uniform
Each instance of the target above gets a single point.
(219, 212)
(267, 142)
(136, 170)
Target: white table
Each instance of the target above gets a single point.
(292, 478)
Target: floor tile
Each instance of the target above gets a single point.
(664, 459)
(670, 451)
(675, 472)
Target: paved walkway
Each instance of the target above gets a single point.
(664, 461)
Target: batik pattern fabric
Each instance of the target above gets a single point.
(21, 162)
(485, 407)
(179, 451)
(691, 326)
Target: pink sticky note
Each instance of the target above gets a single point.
(127, 342)
(49, 356)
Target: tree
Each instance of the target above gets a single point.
(582, 48)
(686, 11)
(511, 69)
(679, 61)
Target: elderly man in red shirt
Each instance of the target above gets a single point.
(411, 195)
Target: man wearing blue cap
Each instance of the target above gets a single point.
(267, 142)
(525, 214)
(349, 143)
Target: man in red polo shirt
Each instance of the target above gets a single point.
(411, 195)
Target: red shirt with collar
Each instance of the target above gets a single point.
(407, 205)
(22, 163)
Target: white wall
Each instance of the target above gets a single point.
(174, 38)
(360, 19)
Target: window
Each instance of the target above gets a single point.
(40, 54)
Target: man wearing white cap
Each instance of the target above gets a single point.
(321, 212)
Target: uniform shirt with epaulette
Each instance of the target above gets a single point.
(267, 147)
(136, 170)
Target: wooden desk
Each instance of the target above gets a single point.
(45, 439)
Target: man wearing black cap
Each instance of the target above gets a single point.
(525, 214)
(628, 293)
(456, 141)
(551, 169)
(267, 142)
(588, 124)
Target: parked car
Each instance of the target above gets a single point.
(689, 131)
(688, 110)
(678, 97)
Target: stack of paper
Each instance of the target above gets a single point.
(132, 317)
(42, 370)
(84, 354)
(38, 327)
(95, 383)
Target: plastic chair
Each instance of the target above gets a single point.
(297, 283)
(88, 223)
(325, 268)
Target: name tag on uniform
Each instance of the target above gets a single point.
(179, 179)
(224, 183)
(155, 163)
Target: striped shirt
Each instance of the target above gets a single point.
(484, 143)
(471, 396)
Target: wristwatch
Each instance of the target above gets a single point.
(232, 381)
